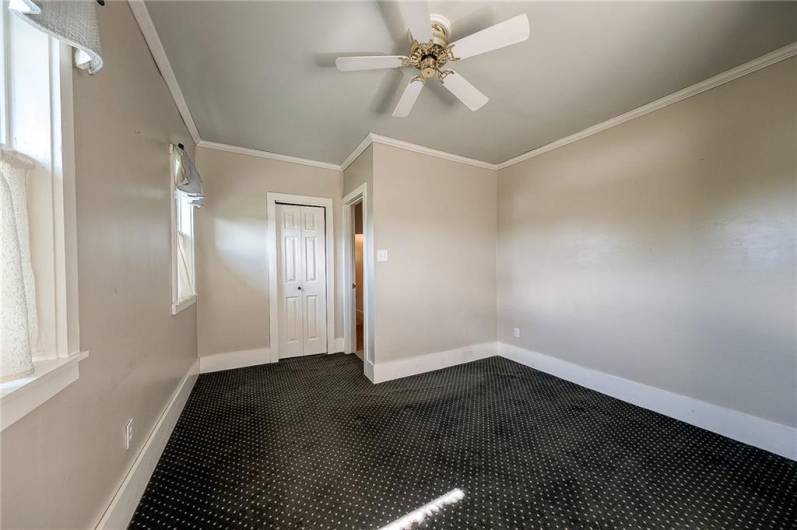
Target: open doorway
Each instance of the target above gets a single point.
(359, 280)
(358, 276)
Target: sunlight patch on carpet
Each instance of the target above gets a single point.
(419, 515)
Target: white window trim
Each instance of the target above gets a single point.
(183, 304)
(22, 396)
(177, 304)
(4, 126)
(57, 369)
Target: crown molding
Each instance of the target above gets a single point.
(265, 154)
(357, 152)
(141, 14)
(144, 20)
(373, 138)
(385, 140)
(749, 67)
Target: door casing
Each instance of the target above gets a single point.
(271, 247)
(360, 194)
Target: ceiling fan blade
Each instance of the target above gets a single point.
(408, 99)
(465, 92)
(505, 33)
(416, 16)
(374, 62)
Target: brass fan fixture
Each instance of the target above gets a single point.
(430, 53)
(431, 56)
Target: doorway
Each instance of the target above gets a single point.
(301, 275)
(358, 278)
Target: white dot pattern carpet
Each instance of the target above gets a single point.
(311, 443)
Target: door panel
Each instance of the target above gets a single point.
(310, 265)
(293, 320)
(289, 267)
(301, 255)
(311, 310)
(314, 287)
(291, 258)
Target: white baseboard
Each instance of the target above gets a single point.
(234, 359)
(128, 495)
(368, 369)
(419, 364)
(746, 428)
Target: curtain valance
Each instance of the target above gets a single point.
(73, 22)
(186, 176)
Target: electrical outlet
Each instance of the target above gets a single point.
(516, 333)
(128, 433)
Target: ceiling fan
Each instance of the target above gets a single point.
(430, 52)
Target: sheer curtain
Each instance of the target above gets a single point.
(18, 318)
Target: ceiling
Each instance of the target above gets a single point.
(262, 75)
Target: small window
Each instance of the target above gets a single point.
(185, 245)
(183, 269)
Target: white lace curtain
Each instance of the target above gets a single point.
(18, 317)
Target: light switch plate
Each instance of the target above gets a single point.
(381, 254)
(516, 333)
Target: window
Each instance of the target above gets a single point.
(184, 212)
(39, 328)
(183, 268)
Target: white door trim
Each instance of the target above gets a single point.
(360, 194)
(271, 246)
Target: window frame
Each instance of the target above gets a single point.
(4, 94)
(56, 366)
(179, 303)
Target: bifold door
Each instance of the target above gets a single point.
(301, 260)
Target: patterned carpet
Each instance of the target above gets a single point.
(311, 443)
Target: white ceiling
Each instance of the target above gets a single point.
(261, 74)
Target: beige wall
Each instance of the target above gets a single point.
(359, 172)
(663, 250)
(437, 219)
(232, 260)
(63, 462)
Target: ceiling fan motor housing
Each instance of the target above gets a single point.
(429, 57)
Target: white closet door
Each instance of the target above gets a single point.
(314, 283)
(302, 280)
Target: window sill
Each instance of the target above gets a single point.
(183, 304)
(22, 396)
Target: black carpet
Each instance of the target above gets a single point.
(311, 443)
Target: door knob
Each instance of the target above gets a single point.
(300, 287)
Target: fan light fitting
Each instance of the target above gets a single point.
(431, 56)
(430, 53)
